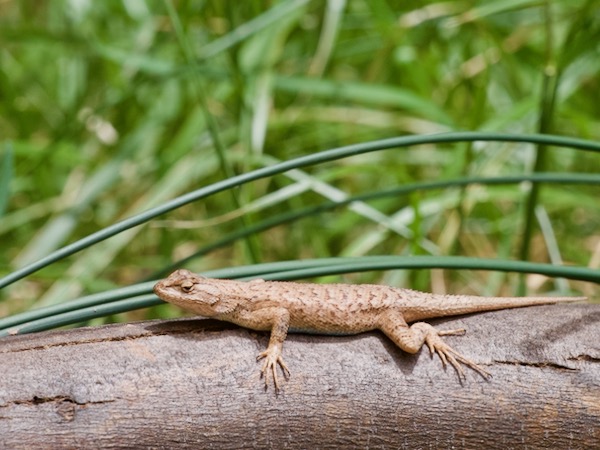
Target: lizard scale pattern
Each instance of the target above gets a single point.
(281, 306)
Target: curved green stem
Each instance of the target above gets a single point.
(316, 158)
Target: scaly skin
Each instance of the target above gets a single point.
(333, 309)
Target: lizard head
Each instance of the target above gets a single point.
(190, 291)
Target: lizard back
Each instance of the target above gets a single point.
(323, 308)
(354, 308)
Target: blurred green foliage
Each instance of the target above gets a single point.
(110, 108)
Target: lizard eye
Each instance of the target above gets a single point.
(187, 286)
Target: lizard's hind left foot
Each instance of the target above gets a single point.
(411, 339)
(448, 355)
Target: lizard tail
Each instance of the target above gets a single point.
(454, 305)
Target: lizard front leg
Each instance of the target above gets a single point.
(411, 339)
(278, 321)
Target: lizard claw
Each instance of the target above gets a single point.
(272, 356)
(448, 355)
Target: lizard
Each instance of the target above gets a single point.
(335, 309)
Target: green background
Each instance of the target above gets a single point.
(110, 108)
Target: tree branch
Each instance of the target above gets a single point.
(195, 383)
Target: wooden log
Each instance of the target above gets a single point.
(194, 383)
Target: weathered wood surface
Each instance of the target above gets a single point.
(194, 383)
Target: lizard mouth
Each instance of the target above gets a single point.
(165, 291)
(160, 289)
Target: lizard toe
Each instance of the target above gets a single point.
(448, 355)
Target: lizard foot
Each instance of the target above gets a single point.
(272, 356)
(448, 355)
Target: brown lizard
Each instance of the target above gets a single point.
(338, 309)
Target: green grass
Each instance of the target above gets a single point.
(111, 109)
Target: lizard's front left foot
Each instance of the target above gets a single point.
(448, 355)
(272, 356)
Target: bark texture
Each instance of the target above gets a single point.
(194, 383)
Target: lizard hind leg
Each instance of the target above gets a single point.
(411, 339)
